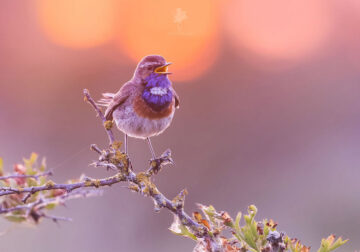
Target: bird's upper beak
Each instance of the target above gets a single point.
(163, 69)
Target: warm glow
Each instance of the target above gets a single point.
(77, 23)
(183, 31)
(283, 29)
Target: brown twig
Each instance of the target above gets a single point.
(56, 218)
(13, 176)
(100, 114)
(67, 187)
(35, 209)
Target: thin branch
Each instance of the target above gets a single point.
(43, 202)
(95, 148)
(106, 165)
(35, 210)
(13, 209)
(56, 218)
(100, 114)
(27, 196)
(48, 173)
(67, 187)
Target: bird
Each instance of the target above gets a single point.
(144, 106)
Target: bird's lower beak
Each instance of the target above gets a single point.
(163, 69)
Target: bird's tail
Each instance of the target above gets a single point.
(106, 100)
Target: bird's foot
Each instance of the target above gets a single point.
(128, 160)
(157, 163)
(112, 158)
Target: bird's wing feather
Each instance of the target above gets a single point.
(117, 99)
(106, 100)
(177, 99)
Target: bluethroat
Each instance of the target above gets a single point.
(145, 105)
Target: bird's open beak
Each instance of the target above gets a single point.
(163, 69)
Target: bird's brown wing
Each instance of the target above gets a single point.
(177, 99)
(119, 98)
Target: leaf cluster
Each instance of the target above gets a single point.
(33, 206)
(245, 233)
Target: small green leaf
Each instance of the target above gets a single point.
(33, 158)
(31, 161)
(252, 210)
(328, 244)
(209, 212)
(43, 165)
(179, 229)
(250, 228)
(237, 222)
(253, 228)
(42, 180)
(30, 171)
(15, 218)
(266, 228)
(247, 219)
(339, 242)
(50, 206)
(1, 167)
(31, 182)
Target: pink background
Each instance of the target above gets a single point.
(282, 134)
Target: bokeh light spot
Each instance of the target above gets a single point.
(279, 29)
(185, 32)
(77, 24)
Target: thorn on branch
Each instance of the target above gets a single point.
(106, 165)
(27, 196)
(179, 200)
(95, 148)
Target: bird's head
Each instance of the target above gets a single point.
(151, 64)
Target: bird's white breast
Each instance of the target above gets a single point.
(133, 125)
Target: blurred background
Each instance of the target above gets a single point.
(269, 113)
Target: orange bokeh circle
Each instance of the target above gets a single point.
(77, 24)
(185, 32)
(279, 29)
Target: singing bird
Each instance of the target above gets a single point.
(145, 105)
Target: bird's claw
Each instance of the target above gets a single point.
(130, 167)
(157, 163)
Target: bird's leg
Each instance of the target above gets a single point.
(151, 148)
(126, 143)
(126, 151)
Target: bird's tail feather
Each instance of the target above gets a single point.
(106, 100)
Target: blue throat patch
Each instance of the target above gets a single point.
(157, 93)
